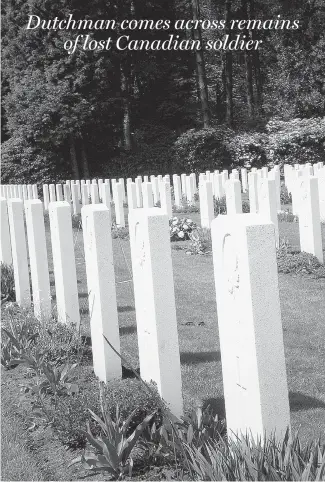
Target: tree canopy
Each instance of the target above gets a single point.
(112, 113)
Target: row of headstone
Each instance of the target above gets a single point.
(19, 191)
(249, 316)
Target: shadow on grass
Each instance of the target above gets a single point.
(299, 401)
(127, 373)
(128, 330)
(194, 358)
(217, 405)
(123, 309)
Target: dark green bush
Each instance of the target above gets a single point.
(198, 150)
(63, 343)
(7, 283)
(290, 261)
(130, 394)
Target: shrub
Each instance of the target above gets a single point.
(290, 261)
(249, 149)
(180, 228)
(297, 140)
(201, 242)
(120, 232)
(63, 343)
(7, 283)
(129, 394)
(197, 150)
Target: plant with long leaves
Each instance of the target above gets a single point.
(113, 448)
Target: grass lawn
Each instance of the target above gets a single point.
(303, 317)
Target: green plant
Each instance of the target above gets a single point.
(63, 343)
(245, 459)
(7, 283)
(186, 207)
(113, 447)
(287, 217)
(120, 232)
(180, 228)
(201, 242)
(76, 221)
(130, 395)
(19, 337)
(293, 261)
(220, 206)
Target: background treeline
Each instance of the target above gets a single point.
(118, 113)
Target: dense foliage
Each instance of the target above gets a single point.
(108, 113)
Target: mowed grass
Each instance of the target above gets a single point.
(303, 318)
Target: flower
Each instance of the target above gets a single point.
(181, 234)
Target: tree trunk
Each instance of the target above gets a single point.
(84, 159)
(200, 67)
(249, 67)
(73, 156)
(125, 89)
(228, 71)
(256, 63)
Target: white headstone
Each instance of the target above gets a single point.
(233, 197)
(250, 329)
(138, 190)
(19, 252)
(267, 204)
(118, 203)
(166, 198)
(177, 190)
(253, 192)
(94, 193)
(64, 262)
(183, 184)
(218, 186)
(155, 304)
(101, 291)
(189, 190)
(309, 217)
(155, 188)
(52, 193)
(34, 190)
(75, 199)
(321, 192)
(38, 258)
(147, 195)
(46, 197)
(5, 243)
(122, 182)
(244, 179)
(206, 204)
(59, 192)
(132, 195)
(84, 194)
